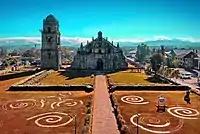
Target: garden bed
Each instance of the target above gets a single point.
(139, 107)
(44, 112)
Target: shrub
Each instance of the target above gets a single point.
(124, 129)
(85, 129)
(88, 104)
(87, 119)
(88, 110)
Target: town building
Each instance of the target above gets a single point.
(51, 48)
(186, 58)
(99, 54)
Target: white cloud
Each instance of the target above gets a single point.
(129, 40)
(191, 39)
(78, 40)
(161, 37)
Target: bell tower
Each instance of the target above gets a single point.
(50, 51)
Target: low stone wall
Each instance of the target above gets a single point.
(110, 82)
(149, 88)
(37, 77)
(29, 78)
(86, 88)
(120, 121)
(16, 75)
(87, 128)
(93, 80)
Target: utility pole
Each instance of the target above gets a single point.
(75, 124)
(137, 123)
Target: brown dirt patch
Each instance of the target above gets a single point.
(42, 112)
(5, 84)
(148, 114)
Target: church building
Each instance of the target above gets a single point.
(99, 54)
(51, 49)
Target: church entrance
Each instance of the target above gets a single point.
(99, 64)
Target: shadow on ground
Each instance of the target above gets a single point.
(17, 75)
(155, 79)
(71, 74)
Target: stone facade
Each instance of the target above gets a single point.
(50, 51)
(99, 54)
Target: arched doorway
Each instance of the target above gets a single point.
(99, 64)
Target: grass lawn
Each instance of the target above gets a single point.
(128, 77)
(69, 78)
(179, 117)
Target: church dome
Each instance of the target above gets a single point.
(51, 18)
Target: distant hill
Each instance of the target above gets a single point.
(28, 43)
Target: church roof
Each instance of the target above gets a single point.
(100, 38)
(51, 18)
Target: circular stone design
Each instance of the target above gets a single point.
(134, 100)
(52, 119)
(156, 124)
(183, 112)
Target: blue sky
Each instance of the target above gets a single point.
(116, 18)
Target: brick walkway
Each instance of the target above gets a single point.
(104, 121)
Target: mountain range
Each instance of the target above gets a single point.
(28, 43)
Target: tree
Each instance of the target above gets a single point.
(142, 52)
(175, 63)
(5, 63)
(28, 53)
(67, 53)
(156, 61)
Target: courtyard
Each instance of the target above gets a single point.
(179, 117)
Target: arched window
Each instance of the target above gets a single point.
(49, 55)
(48, 29)
(109, 51)
(99, 44)
(49, 39)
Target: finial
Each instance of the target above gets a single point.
(99, 34)
(81, 45)
(118, 45)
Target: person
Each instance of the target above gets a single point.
(187, 97)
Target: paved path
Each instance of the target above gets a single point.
(185, 83)
(104, 121)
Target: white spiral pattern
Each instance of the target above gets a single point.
(66, 102)
(133, 100)
(52, 119)
(19, 104)
(156, 125)
(183, 112)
